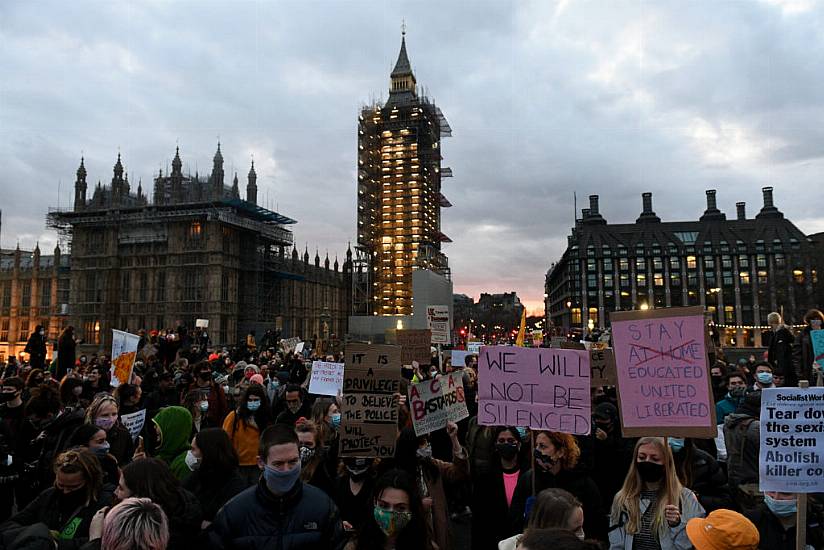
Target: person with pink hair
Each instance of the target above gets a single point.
(134, 524)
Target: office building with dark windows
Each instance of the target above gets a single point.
(739, 269)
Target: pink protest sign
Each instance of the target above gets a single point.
(543, 388)
(663, 377)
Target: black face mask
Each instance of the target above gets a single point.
(718, 380)
(650, 472)
(357, 474)
(5, 397)
(545, 460)
(507, 451)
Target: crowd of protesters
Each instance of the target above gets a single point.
(235, 452)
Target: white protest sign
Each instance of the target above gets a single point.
(299, 347)
(791, 458)
(459, 358)
(435, 402)
(437, 318)
(289, 344)
(124, 352)
(327, 378)
(201, 323)
(134, 422)
(474, 347)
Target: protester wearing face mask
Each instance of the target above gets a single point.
(493, 492)
(244, 426)
(736, 388)
(198, 406)
(353, 492)
(151, 478)
(776, 519)
(94, 439)
(280, 510)
(11, 424)
(763, 377)
(296, 406)
(719, 387)
(67, 508)
(103, 413)
(414, 455)
(556, 458)
(36, 348)
(554, 508)
(318, 462)
(652, 508)
(173, 427)
(699, 471)
(215, 478)
(396, 519)
(210, 391)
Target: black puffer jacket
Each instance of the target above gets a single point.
(302, 518)
(184, 521)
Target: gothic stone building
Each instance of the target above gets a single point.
(740, 269)
(34, 290)
(195, 251)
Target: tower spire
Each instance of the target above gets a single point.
(402, 80)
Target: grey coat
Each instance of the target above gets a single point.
(670, 538)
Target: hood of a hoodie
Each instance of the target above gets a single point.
(175, 424)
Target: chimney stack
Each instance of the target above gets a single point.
(711, 204)
(741, 208)
(768, 197)
(647, 215)
(593, 205)
(585, 213)
(647, 201)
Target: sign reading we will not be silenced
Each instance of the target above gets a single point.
(791, 455)
(435, 402)
(663, 377)
(543, 388)
(369, 412)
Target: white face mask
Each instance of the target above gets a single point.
(192, 461)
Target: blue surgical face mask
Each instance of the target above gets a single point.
(278, 482)
(102, 450)
(676, 443)
(335, 420)
(765, 378)
(781, 508)
(253, 405)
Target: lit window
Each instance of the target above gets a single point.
(691, 262)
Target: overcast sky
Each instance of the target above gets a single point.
(545, 98)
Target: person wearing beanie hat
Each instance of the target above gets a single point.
(256, 379)
(723, 530)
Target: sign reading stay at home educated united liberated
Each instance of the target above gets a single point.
(369, 412)
(661, 366)
(543, 388)
(791, 455)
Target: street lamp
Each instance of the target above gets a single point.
(644, 306)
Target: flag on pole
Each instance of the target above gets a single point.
(521, 331)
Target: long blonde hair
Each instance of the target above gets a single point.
(628, 500)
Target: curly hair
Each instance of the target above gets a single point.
(82, 461)
(566, 444)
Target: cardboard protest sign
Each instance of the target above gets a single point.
(543, 388)
(437, 319)
(124, 352)
(414, 345)
(791, 457)
(662, 372)
(369, 412)
(134, 422)
(327, 378)
(817, 337)
(435, 402)
(602, 367)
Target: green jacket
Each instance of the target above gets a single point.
(175, 425)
